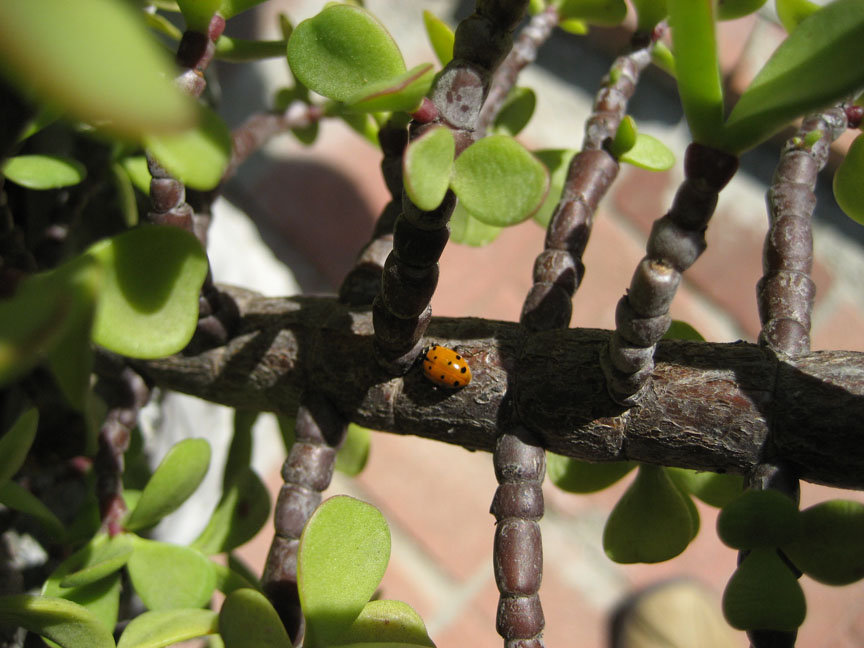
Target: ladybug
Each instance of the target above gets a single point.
(445, 367)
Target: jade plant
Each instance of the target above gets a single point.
(111, 156)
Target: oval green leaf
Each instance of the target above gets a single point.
(344, 550)
(228, 579)
(386, 624)
(198, 156)
(792, 12)
(240, 514)
(16, 442)
(233, 7)
(168, 576)
(136, 168)
(44, 171)
(649, 13)
(763, 594)
(625, 137)
(651, 522)
(576, 476)
(197, 13)
(248, 620)
(697, 67)
(732, 9)
(20, 499)
(179, 474)
(574, 26)
(440, 36)
(758, 518)
(101, 557)
(557, 162)
(160, 628)
(61, 621)
(649, 153)
(794, 81)
(402, 93)
(596, 12)
(240, 451)
(58, 50)
(240, 50)
(516, 112)
(342, 49)
(679, 330)
(354, 453)
(149, 303)
(849, 181)
(713, 489)
(830, 545)
(499, 182)
(427, 166)
(467, 230)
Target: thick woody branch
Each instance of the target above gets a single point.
(709, 406)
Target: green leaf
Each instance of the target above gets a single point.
(69, 53)
(386, 624)
(285, 97)
(829, 546)
(248, 620)
(792, 12)
(362, 123)
(61, 621)
(240, 514)
(516, 112)
(402, 93)
(440, 36)
(16, 442)
(233, 7)
(427, 165)
(160, 628)
(352, 456)
(679, 330)
(794, 80)
(48, 309)
(573, 26)
(228, 579)
(732, 9)
(576, 476)
(197, 13)
(557, 162)
(763, 594)
(125, 191)
(239, 50)
(44, 171)
(148, 307)
(625, 137)
(198, 156)
(342, 49)
(499, 182)
(849, 181)
(596, 12)
(343, 553)
(649, 153)
(136, 167)
(663, 58)
(168, 576)
(758, 518)
(101, 557)
(467, 230)
(240, 451)
(46, 116)
(649, 13)
(19, 498)
(179, 474)
(651, 522)
(697, 68)
(712, 488)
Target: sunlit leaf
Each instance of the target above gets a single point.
(427, 165)
(516, 112)
(386, 624)
(794, 80)
(63, 622)
(16, 442)
(179, 474)
(197, 13)
(596, 12)
(101, 557)
(343, 553)
(792, 12)
(576, 476)
(649, 153)
(352, 456)
(712, 488)
(240, 50)
(440, 36)
(231, 8)
(160, 628)
(849, 181)
(649, 13)
(733, 9)
(340, 50)
(69, 53)
(625, 137)
(168, 576)
(499, 182)
(467, 230)
(229, 579)
(136, 167)
(148, 307)
(403, 93)
(44, 171)
(247, 620)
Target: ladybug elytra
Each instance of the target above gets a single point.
(445, 367)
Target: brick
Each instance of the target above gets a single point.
(839, 329)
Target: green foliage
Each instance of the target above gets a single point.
(732, 9)
(606, 13)
(22, 500)
(354, 453)
(168, 576)
(16, 442)
(44, 171)
(440, 36)
(386, 624)
(713, 489)
(625, 137)
(402, 93)
(649, 153)
(758, 518)
(73, 70)
(248, 620)
(177, 477)
(557, 162)
(516, 112)
(467, 230)
(848, 185)
(427, 166)
(649, 13)
(792, 12)
(63, 622)
(159, 628)
(197, 13)
(577, 476)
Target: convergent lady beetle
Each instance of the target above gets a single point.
(445, 367)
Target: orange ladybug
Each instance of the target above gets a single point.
(445, 367)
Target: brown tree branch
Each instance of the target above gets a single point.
(709, 406)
